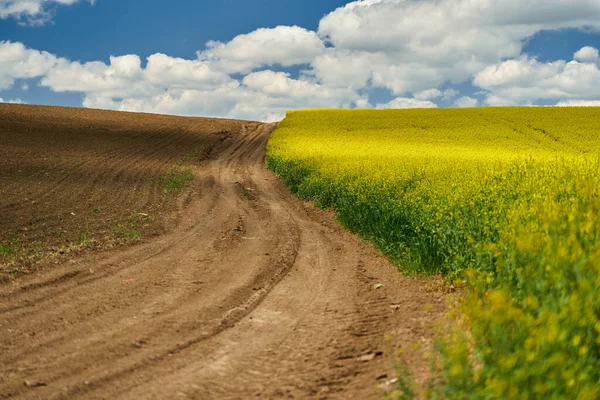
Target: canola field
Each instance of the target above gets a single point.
(504, 201)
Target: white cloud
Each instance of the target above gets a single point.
(428, 94)
(466, 101)
(280, 84)
(358, 69)
(398, 25)
(449, 94)
(579, 103)
(495, 100)
(125, 78)
(410, 46)
(218, 102)
(188, 87)
(526, 80)
(19, 62)
(587, 54)
(341, 68)
(255, 103)
(519, 71)
(31, 12)
(96, 78)
(283, 45)
(12, 101)
(403, 102)
(363, 102)
(162, 69)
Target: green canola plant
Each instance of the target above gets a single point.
(505, 201)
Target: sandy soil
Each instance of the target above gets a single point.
(252, 293)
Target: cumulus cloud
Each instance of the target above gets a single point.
(32, 12)
(411, 48)
(587, 54)
(344, 68)
(519, 71)
(526, 80)
(19, 62)
(185, 73)
(428, 94)
(449, 94)
(404, 102)
(579, 103)
(283, 45)
(465, 102)
(363, 102)
(12, 101)
(170, 85)
(280, 84)
(124, 76)
(231, 102)
(340, 68)
(459, 39)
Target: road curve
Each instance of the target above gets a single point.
(254, 294)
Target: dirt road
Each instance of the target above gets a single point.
(254, 294)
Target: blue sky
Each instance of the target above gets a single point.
(267, 56)
(109, 27)
(93, 33)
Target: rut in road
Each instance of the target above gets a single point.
(254, 294)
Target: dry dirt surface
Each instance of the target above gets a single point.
(251, 294)
(73, 180)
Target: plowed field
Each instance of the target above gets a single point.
(235, 288)
(73, 180)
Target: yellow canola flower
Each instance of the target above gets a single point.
(506, 200)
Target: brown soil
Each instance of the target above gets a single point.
(252, 293)
(75, 179)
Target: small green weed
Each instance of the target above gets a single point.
(176, 178)
(10, 248)
(84, 238)
(5, 248)
(128, 230)
(190, 157)
(132, 234)
(404, 386)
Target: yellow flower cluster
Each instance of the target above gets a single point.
(507, 199)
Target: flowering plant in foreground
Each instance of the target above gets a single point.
(506, 200)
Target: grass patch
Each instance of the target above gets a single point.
(176, 179)
(10, 249)
(5, 249)
(84, 239)
(191, 157)
(180, 175)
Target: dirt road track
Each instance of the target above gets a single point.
(255, 294)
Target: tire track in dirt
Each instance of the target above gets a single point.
(254, 293)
